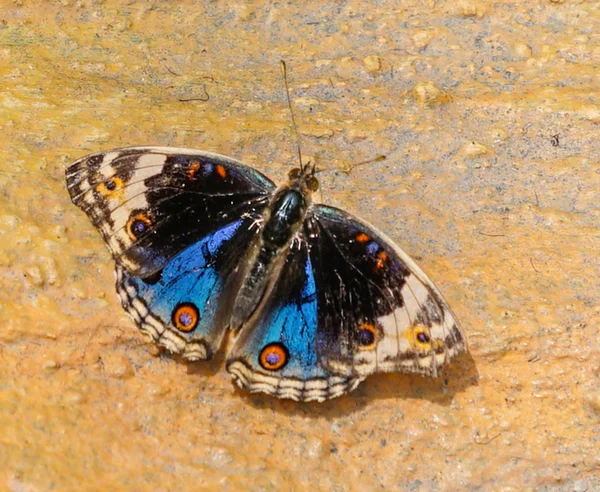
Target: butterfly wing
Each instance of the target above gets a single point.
(348, 303)
(277, 351)
(180, 309)
(379, 311)
(150, 203)
(177, 222)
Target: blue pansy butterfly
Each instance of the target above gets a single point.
(316, 299)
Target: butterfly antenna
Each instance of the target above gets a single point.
(287, 92)
(348, 168)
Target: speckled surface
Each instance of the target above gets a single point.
(489, 115)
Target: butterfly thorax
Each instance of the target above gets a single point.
(286, 214)
(281, 221)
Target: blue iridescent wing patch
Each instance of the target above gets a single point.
(178, 308)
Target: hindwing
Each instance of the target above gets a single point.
(278, 351)
(179, 308)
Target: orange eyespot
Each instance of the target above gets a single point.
(193, 169)
(221, 171)
(366, 336)
(110, 186)
(422, 337)
(382, 257)
(138, 225)
(185, 317)
(273, 357)
(361, 237)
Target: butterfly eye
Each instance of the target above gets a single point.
(312, 183)
(294, 173)
(138, 225)
(273, 357)
(185, 317)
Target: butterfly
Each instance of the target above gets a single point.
(316, 300)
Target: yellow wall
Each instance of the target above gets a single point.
(463, 97)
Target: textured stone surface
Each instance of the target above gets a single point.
(488, 113)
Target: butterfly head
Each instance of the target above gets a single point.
(304, 178)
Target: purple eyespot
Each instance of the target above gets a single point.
(139, 227)
(365, 336)
(185, 318)
(273, 358)
(423, 337)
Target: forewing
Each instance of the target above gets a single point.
(150, 203)
(377, 310)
